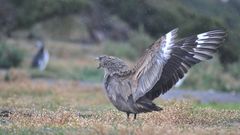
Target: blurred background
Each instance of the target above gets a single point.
(75, 31)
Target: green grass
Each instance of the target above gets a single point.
(120, 49)
(89, 74)
(220, 106)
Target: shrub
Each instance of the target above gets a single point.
(120, 49)
(234, 69)
(42, 9)
(10, 56)
(210, 75)
(140, 41)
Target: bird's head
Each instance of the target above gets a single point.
(111, 64)
(39, 44)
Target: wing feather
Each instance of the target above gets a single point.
(189, 52)
(168, 60)
(149, 67)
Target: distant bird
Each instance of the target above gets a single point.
(167, 60)
(41, 59)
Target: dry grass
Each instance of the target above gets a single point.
(67, 107)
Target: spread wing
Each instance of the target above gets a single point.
(149, 67)
(182, 55)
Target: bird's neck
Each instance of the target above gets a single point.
(106, 73)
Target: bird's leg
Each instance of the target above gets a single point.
(128, 115)
(135, 116)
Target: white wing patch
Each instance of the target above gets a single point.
(176, 58)
(201, 41)
(151, 69)
(202, 36)
(168, 43)
(180, 81)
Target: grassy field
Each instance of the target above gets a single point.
(75, 61)
(67, 107)
(62, 100)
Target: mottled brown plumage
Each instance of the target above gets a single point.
(166, 61)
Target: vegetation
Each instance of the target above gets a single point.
(219, 106)
(211, 75)
(67, 97)
(234, 69)
(73, 62)
(87, 74)
(42, 9)
(120, 50)
(70, 108)
(10, 56)
(157, 17)
(140, 41)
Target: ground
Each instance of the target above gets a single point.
(65, 100)
(69, 107)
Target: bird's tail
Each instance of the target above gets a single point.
(150, 106)
(154, 107)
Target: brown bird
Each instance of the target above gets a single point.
(166, 61)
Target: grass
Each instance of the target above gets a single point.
(219, 106)
(72, 61)
(67, 107)
(68, 61)
(86, 74)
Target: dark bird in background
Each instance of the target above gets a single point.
(41, 59)
(166, 61)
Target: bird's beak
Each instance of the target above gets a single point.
(99, 66)
(97, 59)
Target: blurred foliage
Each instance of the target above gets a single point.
(157, 17)
(89, 74)
(148, 18)
(191, 16)
(234, 69)
(7, 16)
(10, 56)
(29, 12)
(212, 75)
(120, 49)
(140, 41)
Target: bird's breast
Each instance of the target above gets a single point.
(118, 92)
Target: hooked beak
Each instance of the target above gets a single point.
(99, 66)
(97, 59)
